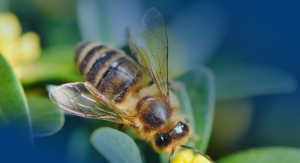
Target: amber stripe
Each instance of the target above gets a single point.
(79, 48)
(87, 58)
(99, 64)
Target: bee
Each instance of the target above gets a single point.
(132, 91)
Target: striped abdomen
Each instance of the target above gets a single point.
(110, 71)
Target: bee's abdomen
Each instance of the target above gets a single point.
(110, 71)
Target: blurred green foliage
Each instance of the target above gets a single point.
(115, 146)
(61, 24)
(37, 116)
(55, 64)
(4, 5)
(46, 118)
(200, 88)
(14, 111)
(265, 154)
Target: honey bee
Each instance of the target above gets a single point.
(133, 91)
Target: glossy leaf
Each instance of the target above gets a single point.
(115, 146)
(265, 155)
(200, 86)
(55, 63)
(14, 110)
(197, 102)
(186, 107)
(185, 110)
(46, 118)
(245, 80)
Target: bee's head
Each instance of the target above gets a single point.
(173, 138)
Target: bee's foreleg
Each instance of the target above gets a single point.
(171, 156)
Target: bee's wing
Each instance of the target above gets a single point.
(82, 99)
(151, 46)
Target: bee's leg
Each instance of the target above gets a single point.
(194, 149)
(171, 156)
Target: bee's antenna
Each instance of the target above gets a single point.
(196, 150)
(171, 156)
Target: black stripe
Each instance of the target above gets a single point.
(99, 64)
(109, 69)
(80, 46)
(87, 58)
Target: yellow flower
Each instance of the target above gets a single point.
(187, 156)
(16, 48)
(10, 27)
(184, 156)
(29, 47)
(200, 159)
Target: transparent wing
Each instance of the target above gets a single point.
(151, 45)
(82, 99)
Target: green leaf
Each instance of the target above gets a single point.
(55, 63)
(197, 98)
(115, 146)
(244, 80)
(200, 86)
(186, 107)
(14, 110)
(46, 118)
(264, 155)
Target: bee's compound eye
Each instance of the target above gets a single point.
(162, 140)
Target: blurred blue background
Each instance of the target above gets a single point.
(260, 33)
(266, 33)
(218, 32)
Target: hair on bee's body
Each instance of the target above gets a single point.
(121, 80)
